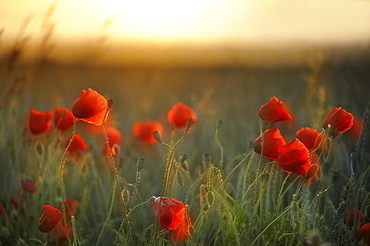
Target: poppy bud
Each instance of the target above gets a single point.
(49, 218)
(140, 164)
(180, 179)
(183, 158)
(185, 165)
(219, 123)
(157, 136)
(39, 147)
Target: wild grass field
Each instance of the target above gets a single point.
(231, 194)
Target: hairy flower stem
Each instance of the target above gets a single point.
(252, 184)
(61, 178)
(129, 214)
(116, 177)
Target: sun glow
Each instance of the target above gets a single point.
(155, 20)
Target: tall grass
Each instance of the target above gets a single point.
(233, 195)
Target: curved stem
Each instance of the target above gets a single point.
(61, 178)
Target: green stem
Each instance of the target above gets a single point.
(61, 178)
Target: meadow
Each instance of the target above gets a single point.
(232, 195)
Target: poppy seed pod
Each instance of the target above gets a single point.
(90, 107)
(49, 218)
(170, 212)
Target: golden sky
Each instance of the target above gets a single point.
(193, 21)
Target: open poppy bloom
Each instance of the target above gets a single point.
(180, 114)
(294, 157)
(90, 107)
(70, 206)
(114, 138)
(170, 212)
(338, 121)
(364, 234)
(274, 111)
(183, 232)
(29, 185)
(49, 218)
(353, 217)
(272, 141)
(78, 144)
(309, 137)
(143, 130)
(63, 118)
(39, 122)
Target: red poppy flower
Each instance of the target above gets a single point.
(78, 144)
(90, 107)
(180, 114)
(294, 157)
(183, 232)
(49, 218)
(339, 119)
(29, 185)
(272, 141)
(114, 138)
(2, 210)
(170, 212)
(70, 206)
(63, 118)
(309, 137)
(143, 130)
(354, 217)
(364, 234)
(39, 122)
(274, 111)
